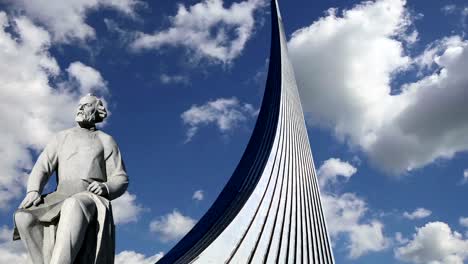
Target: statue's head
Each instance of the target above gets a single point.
(90, 111)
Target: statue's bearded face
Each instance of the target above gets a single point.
(86, 111)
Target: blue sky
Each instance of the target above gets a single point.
(383, 85)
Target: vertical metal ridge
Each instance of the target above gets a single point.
(305, 194)
(282, 233)
(290, 200)
(301, 219)
(323, 239)
(285, 112)
(259, 236)
(314, 220)
(327, 249)
(285, 165)
(271, 176)
(320, 238)
(280, 143)
(317, 220)
(287, 199)
(309, 212)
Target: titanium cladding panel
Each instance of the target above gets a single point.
(270, 209)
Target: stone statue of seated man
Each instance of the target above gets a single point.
(74, 223)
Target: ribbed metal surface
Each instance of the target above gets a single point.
(270, 210)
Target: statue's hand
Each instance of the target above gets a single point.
(98, 188)
(31, 198)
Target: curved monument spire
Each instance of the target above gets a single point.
(270, 209)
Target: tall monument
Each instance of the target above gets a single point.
(270, 209)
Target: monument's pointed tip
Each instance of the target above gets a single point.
(275, 8)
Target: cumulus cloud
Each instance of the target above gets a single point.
(427, 60)
(66, 20)
(225, 113)
(12, 251)
(89, 79)
(125, 209)
(345, 64)
(207, 29)
(332, 168)
(345, 215)
(173, 226)
(419, 213)
(132, 257)
(30, 104)
(198, 195)
(434, 243)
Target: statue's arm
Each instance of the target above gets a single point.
(45, 166)
(117, 179)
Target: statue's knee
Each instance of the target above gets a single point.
(71, 205)
(24, 220)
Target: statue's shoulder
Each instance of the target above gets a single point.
(62, 134)
(106, 139)
(66, 131)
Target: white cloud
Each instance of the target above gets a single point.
(400, 239)
(426, 60)
(89, 79)
(345, 216)
(411, 38)
(125, 209)
(174, 79)
(12, 251)
(29, 103)
(345, 66)
(434, 243)
(66, 20)
(207, 29)
(198, 195)
(332, 168)
(132, 257)
(463, 221)
(226, 113)
(173, 226)
(419, 213)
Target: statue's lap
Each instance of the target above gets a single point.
(49, 210)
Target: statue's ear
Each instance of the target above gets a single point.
(101, 111)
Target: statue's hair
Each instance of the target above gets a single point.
(101, 111)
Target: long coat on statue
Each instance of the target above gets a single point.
(79, 156)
